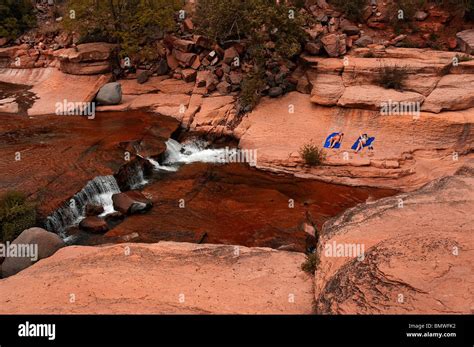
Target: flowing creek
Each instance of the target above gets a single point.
(198, 198)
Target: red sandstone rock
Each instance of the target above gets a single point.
(418, 253)
(131, 202)
(94, 225)
(162, 278)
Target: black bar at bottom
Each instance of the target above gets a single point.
(452, 330)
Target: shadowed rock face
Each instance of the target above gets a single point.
(60, 154)
(161, 278)
(418, 257)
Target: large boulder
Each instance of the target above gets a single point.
(110, 94)
(131, 202)
(162, 278)
(334, 44)
(87, 59)
(47, 244)
(414, 253)
(466, 41)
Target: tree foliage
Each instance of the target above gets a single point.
(256, 20)
(16, 16)
(16, 215)
(132, 23)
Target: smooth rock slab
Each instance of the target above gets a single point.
(453, 92)
(372, 97)
(423, 251)
(154, 277)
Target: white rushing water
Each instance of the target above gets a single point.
(193, 151)
(98, 191)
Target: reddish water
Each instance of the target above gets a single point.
(239, 205)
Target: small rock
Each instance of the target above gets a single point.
(351, 30)
(230, 54)
(162, 68)
(466, 41)
(94, 210)
(94, 225)
(114, 217)
(143, 77)
(364, 41)
(183, 45)
(313, 48)
(201, 78)
(334, 44)
(275, 92)
(131, 202)
(186, 59)
(110, 94)
(172, 62)
(189, 75)
(224, 88)
(421, 15)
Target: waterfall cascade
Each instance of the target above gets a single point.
(190, 152)
(136, 178)
(98, 191)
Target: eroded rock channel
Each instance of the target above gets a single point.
(68, 163)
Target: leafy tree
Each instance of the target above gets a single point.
(353, 9)
(16, 215)
(256, 20)
(16, 16)
(135, 24)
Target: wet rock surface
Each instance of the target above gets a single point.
(234, 204)
(60, 154)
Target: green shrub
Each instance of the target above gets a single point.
(134, 24)
(464, 58)
(16, 215)
(352, 9)
(251, 87)
(16, 16)
(392, 77)
(254, 20)
(312, 155)
(310, 264)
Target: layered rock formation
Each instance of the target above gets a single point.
(417, 253)
(161, 278)
(52, 87)
(408, 152)
(412, 146)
